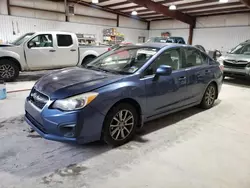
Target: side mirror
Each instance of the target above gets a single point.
(163, 70)
(31, 44)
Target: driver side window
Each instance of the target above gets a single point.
(39, 41)
(169, 57)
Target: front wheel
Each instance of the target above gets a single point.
(120, 124)
(9, 71)
(209, 97)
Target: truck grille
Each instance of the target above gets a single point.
(38, 99)
(235, 64)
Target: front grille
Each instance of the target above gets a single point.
(235, 64)
(38, 99)
(35, 123)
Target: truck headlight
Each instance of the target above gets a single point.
(75, 103)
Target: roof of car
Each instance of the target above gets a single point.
(160, 45)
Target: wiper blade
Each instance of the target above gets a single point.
(106, 70)
(96, 68)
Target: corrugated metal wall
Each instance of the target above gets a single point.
(176, 28)
(222, 32)
(213, 32)
(27, 20)
(23, 25)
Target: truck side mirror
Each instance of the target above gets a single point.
(31, 44)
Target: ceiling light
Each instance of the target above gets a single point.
(223, 1)
(134, 13)
(95, 1)
(172, 7)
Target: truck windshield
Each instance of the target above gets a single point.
(241, 49)
(21, 39)
(124, 60)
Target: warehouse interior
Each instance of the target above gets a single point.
(189, 147)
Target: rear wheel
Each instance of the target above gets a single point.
(9, 71)
(209, 97)
(120, 124)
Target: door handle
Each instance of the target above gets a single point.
(198, 75)
(207, 71)
(73, 50)
(52, 50)
(182, 78)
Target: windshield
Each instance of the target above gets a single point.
(21, 39)
(124, 60)
(241, 49)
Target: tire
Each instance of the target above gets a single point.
(209, 97)
(120, 133)
(87, 60)
(9, 71)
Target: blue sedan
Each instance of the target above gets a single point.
(119, 91)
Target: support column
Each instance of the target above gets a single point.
(8, 7)
(117, 20)
(66, 10)
(148, 27)
(190, 37)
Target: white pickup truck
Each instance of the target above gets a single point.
(44, 50)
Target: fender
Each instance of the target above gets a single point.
(87, 53)
(15, 53)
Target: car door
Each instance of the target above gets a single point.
(66, 50)
(199, 73)
(39, 52)
(167, 92)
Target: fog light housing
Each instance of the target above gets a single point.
(68, 131)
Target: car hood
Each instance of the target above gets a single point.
(72, 81)
(236, 57)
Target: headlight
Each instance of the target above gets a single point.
(75, 103)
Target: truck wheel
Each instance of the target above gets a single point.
(87, 60)
(9, 71)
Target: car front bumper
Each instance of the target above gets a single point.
(237, 72)
(80, 126)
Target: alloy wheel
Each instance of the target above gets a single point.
(121, 125)
(7, 71)
(210, 95)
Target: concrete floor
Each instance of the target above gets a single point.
(192, 148)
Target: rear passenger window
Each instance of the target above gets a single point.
(194, 57)
(64, 40)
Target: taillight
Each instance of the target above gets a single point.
(222, 68)
(109, 49)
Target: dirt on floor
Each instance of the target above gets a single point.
(192, 148)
